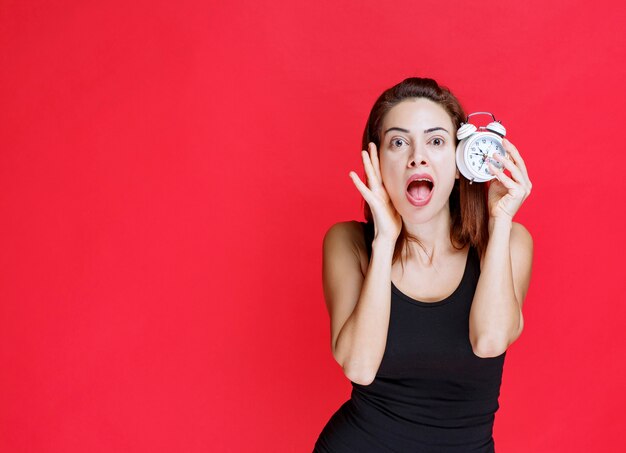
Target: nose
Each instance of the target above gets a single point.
(417, 156)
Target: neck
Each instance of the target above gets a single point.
(434, 236)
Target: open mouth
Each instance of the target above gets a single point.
(420, 189)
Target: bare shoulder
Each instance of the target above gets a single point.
(521, 240)
(521, 253)
(350, 229)
(520, 236)
(342, 274)
(521, 249)
(347, 234)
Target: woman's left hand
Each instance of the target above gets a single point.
(506, 194)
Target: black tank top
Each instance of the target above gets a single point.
(431, 393)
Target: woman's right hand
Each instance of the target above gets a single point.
(387, 221)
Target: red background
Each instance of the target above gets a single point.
(168, 171)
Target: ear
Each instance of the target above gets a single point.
(458, 175)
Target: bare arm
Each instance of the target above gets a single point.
(359, 306)
(358, 301)
(496, 318)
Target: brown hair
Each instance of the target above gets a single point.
(468, 202)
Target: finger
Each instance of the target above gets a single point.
(516, 173)
(361, 187)
(375, 161)
(517, 158)
(502, 177)
(372, 179)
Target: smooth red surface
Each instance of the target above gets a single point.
(168, 171)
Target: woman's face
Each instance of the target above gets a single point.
(417, 137)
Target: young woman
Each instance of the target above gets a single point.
(426, 296)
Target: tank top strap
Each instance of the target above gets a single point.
(368, 232)
(474, 261)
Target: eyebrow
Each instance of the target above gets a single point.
(406, 131)
(433, 129)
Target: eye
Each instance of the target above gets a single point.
(437, 141)
(397, 142)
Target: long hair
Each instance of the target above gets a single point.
(468, 202)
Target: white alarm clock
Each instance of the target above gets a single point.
(477, 147)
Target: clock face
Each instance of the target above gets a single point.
(480, 150)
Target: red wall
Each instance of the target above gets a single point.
(168, 171)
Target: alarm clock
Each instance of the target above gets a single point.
(477, 147)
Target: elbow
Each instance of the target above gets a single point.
(356, 370)
(361, 379)
(358, 376)
(489, 347)
(486, 346)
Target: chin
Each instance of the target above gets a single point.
(416, 219)
(415, 215)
